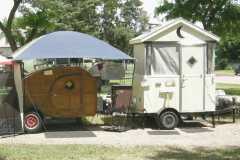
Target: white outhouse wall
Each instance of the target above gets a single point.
(210, 85)
(138, 91)
(152, 80)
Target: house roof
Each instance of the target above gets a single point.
(4, 60)
(159, 29)
(68, 44)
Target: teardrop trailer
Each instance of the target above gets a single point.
(60, 91)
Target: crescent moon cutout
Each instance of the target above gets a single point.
(179, 32)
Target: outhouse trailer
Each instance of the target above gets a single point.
(174, 71)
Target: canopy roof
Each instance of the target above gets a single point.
(68, 44)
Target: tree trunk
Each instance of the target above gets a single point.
(7, 29)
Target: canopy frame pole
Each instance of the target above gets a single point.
(24, 92)
(18, 77)
(134, 68)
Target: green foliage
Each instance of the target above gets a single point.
(115, 21)
(229, 72)
(229, 49)
(117, 152)
(230, 89)
(221, 61)
(215, 15)
(30, 26)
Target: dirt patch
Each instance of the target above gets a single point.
(221, 136)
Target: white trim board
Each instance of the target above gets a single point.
(179, 21)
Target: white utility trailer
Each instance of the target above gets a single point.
(174, 71)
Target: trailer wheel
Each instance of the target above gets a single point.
(32, 122)
(168, 120)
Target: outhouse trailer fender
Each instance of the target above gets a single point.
(174, 71)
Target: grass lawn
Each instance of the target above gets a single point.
(224, 72)
(231, 89)
(93, 152)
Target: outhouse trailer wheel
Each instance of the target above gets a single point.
(32, 122)
(168, 120)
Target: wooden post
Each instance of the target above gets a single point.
(234, 114)
(143, 124)
(234, 110)
(213, 119)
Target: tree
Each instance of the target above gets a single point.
(215, 15)
(228, 50)
(7, 26)
(30, 26)
(114, 21)
(121, 21)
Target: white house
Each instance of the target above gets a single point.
(174, 71)
(4, 46)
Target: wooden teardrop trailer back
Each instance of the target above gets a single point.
(68, 92)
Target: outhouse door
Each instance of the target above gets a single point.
(192, 78)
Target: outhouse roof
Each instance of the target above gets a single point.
(170, 24)
(68, 44)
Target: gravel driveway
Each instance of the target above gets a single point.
(221, 136)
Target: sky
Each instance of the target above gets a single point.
(5, 6)
(148, 5)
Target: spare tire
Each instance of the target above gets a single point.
(32, 122)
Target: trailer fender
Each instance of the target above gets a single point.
(35, 109)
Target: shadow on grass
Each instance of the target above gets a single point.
(231, 153)
(191, 124)
(3, 158)
(219, 122)
(133, 122)
(196, 130)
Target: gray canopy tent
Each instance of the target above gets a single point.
(68, 44)
(62, 44)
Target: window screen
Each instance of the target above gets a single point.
(165, 59)
(148, 59)
(210, 58)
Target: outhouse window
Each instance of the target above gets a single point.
(210, 58)
(148, 57)
(163, 59)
